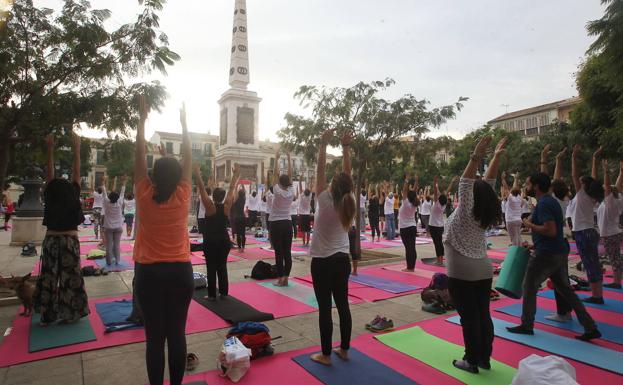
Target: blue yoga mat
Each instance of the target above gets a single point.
(610, 305)
(382, 283)
(114, 315)
(359, 369)
(580, 351)
(122, 266)
(609, 332)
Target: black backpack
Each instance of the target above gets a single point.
(263, 270)
(29, 250)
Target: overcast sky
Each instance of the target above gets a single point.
(520, 53)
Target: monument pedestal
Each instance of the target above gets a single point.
(27, 229)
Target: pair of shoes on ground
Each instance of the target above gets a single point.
(380, 324)
(587, 336)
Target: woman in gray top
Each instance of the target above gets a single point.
(469, 270)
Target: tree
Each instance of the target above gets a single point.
(378, 125)
(61, 69)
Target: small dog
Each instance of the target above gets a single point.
(24, 290)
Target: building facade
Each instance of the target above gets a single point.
(534, 121)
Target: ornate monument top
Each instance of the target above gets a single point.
(239, 64)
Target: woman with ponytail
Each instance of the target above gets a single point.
(330, 266)
(406, 221)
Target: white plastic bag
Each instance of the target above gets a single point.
(234, 360)
(549, 370)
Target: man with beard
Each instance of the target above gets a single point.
(549, 260)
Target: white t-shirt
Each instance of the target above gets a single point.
(436, 215)
(503, 206)
(362, 201)
(514, 208)
(426, 205)
(330, 237)
(294, 208)
(262, 206)
(98, 200)
(406, 215)
(583, 217)
(269, 202)
(527, 207)
(202, 210)
(114, 211)
(282, 201)
(253, 202)
(129, 206)
(388, 207)
(570, 209)
(305, 204)
(608, 215)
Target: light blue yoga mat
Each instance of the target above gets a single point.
(580, 351)
(609, 332)
(610, 304)
(122, 266)
(359, 369)
(296, 291)
(382, 283)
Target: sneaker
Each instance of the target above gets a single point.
(595, 300)
(464, 365)
(383, 325)
(612, 285)
(587, 336)
(559, 317)
(520, 330)
(376, 320)
(485, 365)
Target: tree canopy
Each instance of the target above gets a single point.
(61, 69)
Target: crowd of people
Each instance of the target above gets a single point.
(164, 276)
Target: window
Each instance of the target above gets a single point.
(532, 131)
(207, 148)
(169, 147)
(209, 165)
(272, 163)
(196, 148)
(100, 157)
(543, 120)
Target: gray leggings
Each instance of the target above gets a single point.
(113, 245)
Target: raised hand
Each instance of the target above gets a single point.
(576, 150)
(183, 115)
(347, 138)
(236, 170)
(599, 152)
(562, 153)
(162, 149)
(604, 165)
(482, 146)
(501, 146)
(327, 135)
(547, 150)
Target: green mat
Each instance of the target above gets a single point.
(55, 335)
(435, 352)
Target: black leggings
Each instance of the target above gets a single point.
(216, 253)
(164, 291)
(281, 236)
(408, 235)
(471, 300)
(374, 225)
(437, 234)
(293, 217)
(330, 277)
(241, 231)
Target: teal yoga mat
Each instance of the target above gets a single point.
(56, 335)
(580, 351)
(513, 270)
(609, 332)
(296, 291)
(609, 305)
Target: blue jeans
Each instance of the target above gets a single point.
(390, 226)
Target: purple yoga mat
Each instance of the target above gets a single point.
(382, 283)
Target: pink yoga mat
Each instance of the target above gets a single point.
(254, 254)
(417, 272)
(267, 300)
(197, 258)
(14, 348)
(279, 369)
(371, 294)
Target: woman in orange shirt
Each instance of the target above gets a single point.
(163, 273)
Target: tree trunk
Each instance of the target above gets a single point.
(5, 148)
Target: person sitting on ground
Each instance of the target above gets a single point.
(59, 292)
(549, 261)
(113, 221)
(215, 238)
(469, 270)
(330, 267)
(164, 275)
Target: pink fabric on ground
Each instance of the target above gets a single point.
(14, 348)
(375, 245)
(267, 300)
(197, 258)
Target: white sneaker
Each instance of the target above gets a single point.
(558, 318)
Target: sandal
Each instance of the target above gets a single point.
(192, 361)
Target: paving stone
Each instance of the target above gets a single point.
(123, 368)
(32, 371)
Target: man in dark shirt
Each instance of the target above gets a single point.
(549, 259)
